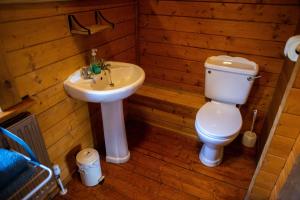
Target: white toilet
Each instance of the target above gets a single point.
(228, 81)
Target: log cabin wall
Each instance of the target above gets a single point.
(175, 38)
(40, 53)
(283, 151)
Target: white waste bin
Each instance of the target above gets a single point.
(88, 162)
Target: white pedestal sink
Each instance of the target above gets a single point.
(127, 78)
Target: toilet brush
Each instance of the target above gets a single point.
(249, 137)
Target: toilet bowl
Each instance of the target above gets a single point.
(217, 125)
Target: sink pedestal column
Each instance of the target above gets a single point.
(114, 132)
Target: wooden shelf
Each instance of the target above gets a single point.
(17, 109)
(91, 29)
(77, 28)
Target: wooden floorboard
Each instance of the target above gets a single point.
(165, 165)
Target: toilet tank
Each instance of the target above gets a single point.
(229, 79)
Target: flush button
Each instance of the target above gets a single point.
(209, 71)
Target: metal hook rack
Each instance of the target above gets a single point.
(77, 28)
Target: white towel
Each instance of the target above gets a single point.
(291, 46)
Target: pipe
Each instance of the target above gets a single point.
(57, 172)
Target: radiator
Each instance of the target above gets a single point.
(26, 127)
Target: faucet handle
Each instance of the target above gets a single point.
(85, 72)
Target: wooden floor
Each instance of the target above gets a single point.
(164, 165)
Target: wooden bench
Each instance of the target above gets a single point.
(167, 108)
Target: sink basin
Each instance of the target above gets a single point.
(127, 78)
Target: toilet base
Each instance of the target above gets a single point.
(211, 156)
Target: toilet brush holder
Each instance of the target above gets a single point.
(249, 139)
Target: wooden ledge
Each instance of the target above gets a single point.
(93, 29)
(165, 107)
(177, 97)
(77, 28)
(17, 109)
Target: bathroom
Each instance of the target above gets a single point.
(44, 42)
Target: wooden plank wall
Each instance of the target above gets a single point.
(283, 150)
(175, 38)
(8, 93)
(40, 53)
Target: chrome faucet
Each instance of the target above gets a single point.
(86, 73)
(103, 65)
